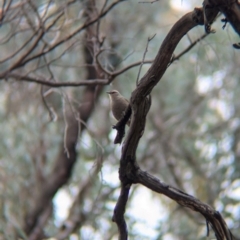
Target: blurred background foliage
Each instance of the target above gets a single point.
(192, 136)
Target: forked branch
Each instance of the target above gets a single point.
(129, 171)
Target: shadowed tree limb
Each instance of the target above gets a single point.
(118, 215)
(129, 171)
(212, 216)
(229, 8)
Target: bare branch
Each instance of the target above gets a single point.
(119, 211)
(177, 57)
(212, 216)
(129, 171)
(57, 84)
(22, 61)
(144, 55)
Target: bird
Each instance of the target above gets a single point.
(118, 105)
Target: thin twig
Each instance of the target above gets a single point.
(174, 58)
(144, 55)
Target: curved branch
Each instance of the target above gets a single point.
(212, 216)
(129, 170)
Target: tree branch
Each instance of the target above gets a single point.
(212, 216)
(119, 210)
(57, 84)
(129, 171)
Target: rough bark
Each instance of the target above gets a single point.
(129, 172)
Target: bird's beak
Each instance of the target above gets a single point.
(108, 92)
